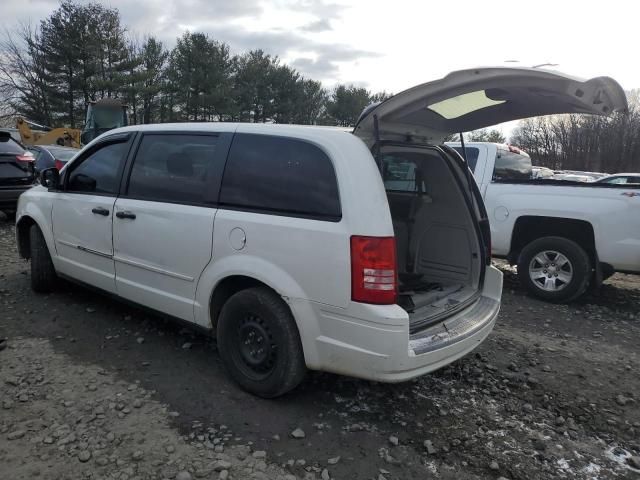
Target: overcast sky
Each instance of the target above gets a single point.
(394, 44)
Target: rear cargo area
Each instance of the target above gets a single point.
(438, 250)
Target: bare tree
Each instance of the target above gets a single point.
(584, 142)
(23, 84)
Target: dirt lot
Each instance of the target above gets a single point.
(93, 388)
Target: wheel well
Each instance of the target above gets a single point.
(225, 289)
(23, 237)
(528, 229)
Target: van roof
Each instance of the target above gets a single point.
(273, 128)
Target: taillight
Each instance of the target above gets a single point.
(373, 270)
(513, 149)
(25, 158)
(58, 164)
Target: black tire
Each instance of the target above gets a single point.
(43, 275)
(251, 315)
(579, 263)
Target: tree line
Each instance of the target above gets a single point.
(83, 52)
(584, 142)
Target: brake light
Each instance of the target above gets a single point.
(58, 164)
(373, 270)
(513, 149)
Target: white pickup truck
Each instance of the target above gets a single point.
(562, 235)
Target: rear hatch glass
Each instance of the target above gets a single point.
(63, 154)
(512, 165)
(12, 170)
(9, 146)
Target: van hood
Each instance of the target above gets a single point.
(476, 98)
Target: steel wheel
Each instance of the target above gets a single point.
(256, 349)
(259, 342)
(550, 271)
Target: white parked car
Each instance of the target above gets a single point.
(621, 179)
(294, 245)
(541, 172)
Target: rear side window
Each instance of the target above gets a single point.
(280, 175)
(472, 156)
(512, 166)
(172, 168)
(9, 145)
(99, 172)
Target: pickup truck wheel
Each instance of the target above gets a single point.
(43, 274)
(555, 269)
(259, 343)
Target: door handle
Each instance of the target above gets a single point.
(100, 211)
(126, 214)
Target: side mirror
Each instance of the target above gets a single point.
(50, 178)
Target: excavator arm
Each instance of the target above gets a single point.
(68, 137)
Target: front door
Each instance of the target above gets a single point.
(83, 214)
(163, 223)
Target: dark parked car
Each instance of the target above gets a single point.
(17, 171)
(48, 156)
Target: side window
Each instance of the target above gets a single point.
(402, 173)
(280, 175)
(99, 172)
(172, 167)
(472, 156)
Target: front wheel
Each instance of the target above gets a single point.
(259, 343)
(43, 274)
(554, 269)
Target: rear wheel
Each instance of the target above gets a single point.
(555, 269)
(43, 275)
(259, 343)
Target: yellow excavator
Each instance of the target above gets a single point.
(43, 135)
(102, 115)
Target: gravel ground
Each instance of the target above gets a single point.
(94, 388)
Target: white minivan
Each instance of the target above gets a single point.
(296, 246)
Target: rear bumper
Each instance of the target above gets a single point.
(373, 342)
(9, 196)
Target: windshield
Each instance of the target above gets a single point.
(64, 154)
(401, 172)
(107, 117)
